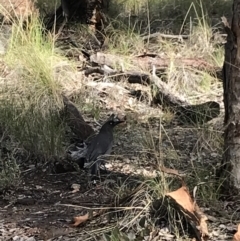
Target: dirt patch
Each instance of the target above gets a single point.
(43, 205)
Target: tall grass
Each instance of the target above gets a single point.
(31, 95)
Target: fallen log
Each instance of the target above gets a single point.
(161, 94)
(199, 114)
(184, 112)
(165, 36)
(132, 77)
(145, 62)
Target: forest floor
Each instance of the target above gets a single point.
(41, 201)
(42, 205)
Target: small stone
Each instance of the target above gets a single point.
(31, 239)
(16, 238)
(126, 160)
(215, 233)
(168, 237)
(164, 230)
(108, 166)
(223, 237)
(222, 226)
(75, 186)
(131, 236)
(38, 187)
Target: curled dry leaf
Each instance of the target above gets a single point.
(191, 211)
(80, 219)
(75, 187)
(236, 236)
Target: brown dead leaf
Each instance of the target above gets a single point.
(236, 236)
(191, 211)
(79, 220)
(183, 198)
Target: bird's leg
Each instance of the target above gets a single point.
(95, 170)
(98, 170)
(103, 167)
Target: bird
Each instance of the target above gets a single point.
(101, 144)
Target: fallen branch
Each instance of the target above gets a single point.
(166, 36)
(161, 94)
(132, 77)
(144, 62)
(184, 112)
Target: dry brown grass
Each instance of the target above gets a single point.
(31, 99)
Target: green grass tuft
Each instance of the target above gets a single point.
(31, 95)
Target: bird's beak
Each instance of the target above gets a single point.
(117, 120)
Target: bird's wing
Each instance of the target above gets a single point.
(99, 146)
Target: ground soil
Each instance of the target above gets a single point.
(43, 203)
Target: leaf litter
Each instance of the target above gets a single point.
(120, 203)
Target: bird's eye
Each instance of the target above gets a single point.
(111, 123)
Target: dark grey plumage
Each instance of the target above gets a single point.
(102, 143)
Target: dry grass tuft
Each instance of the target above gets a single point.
(31, 92)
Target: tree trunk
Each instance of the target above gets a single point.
(230, 170)
(85, 11)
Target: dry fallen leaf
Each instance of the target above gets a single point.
(191, 211)
(182, 197)
(236, 236)
(79, 220)
(75, 187)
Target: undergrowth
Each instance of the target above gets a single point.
(30, 97)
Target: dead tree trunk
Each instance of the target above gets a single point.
(230, 170)
(84, 11)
